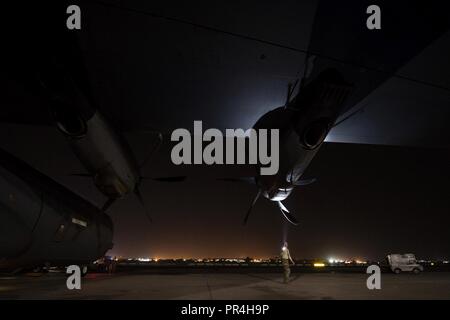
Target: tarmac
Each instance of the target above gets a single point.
(227, 286)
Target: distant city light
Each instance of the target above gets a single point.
(144, 259)
(335, 260)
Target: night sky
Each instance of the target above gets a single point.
(156, 65)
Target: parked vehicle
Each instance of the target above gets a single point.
(404, 263)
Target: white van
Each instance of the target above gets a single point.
(404, 263)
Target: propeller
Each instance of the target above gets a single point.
(140, 198)
(251, 207)
(304, 182)
(289, 216)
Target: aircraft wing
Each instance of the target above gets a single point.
(400, 73)
(404, 112)
(163, 65)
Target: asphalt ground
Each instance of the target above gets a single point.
(184, 284)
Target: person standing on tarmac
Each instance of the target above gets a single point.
(285, 257)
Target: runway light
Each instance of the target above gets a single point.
(143, 259)
(319, 265)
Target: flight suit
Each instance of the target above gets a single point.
(285, 256)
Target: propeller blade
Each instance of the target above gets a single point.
(251, 207)
(304, 182)
(138, 194)
(108, 204)
(289, 216)
(282, 207)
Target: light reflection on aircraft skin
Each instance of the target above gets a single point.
(44, 223)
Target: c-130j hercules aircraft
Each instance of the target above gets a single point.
(136, 66)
